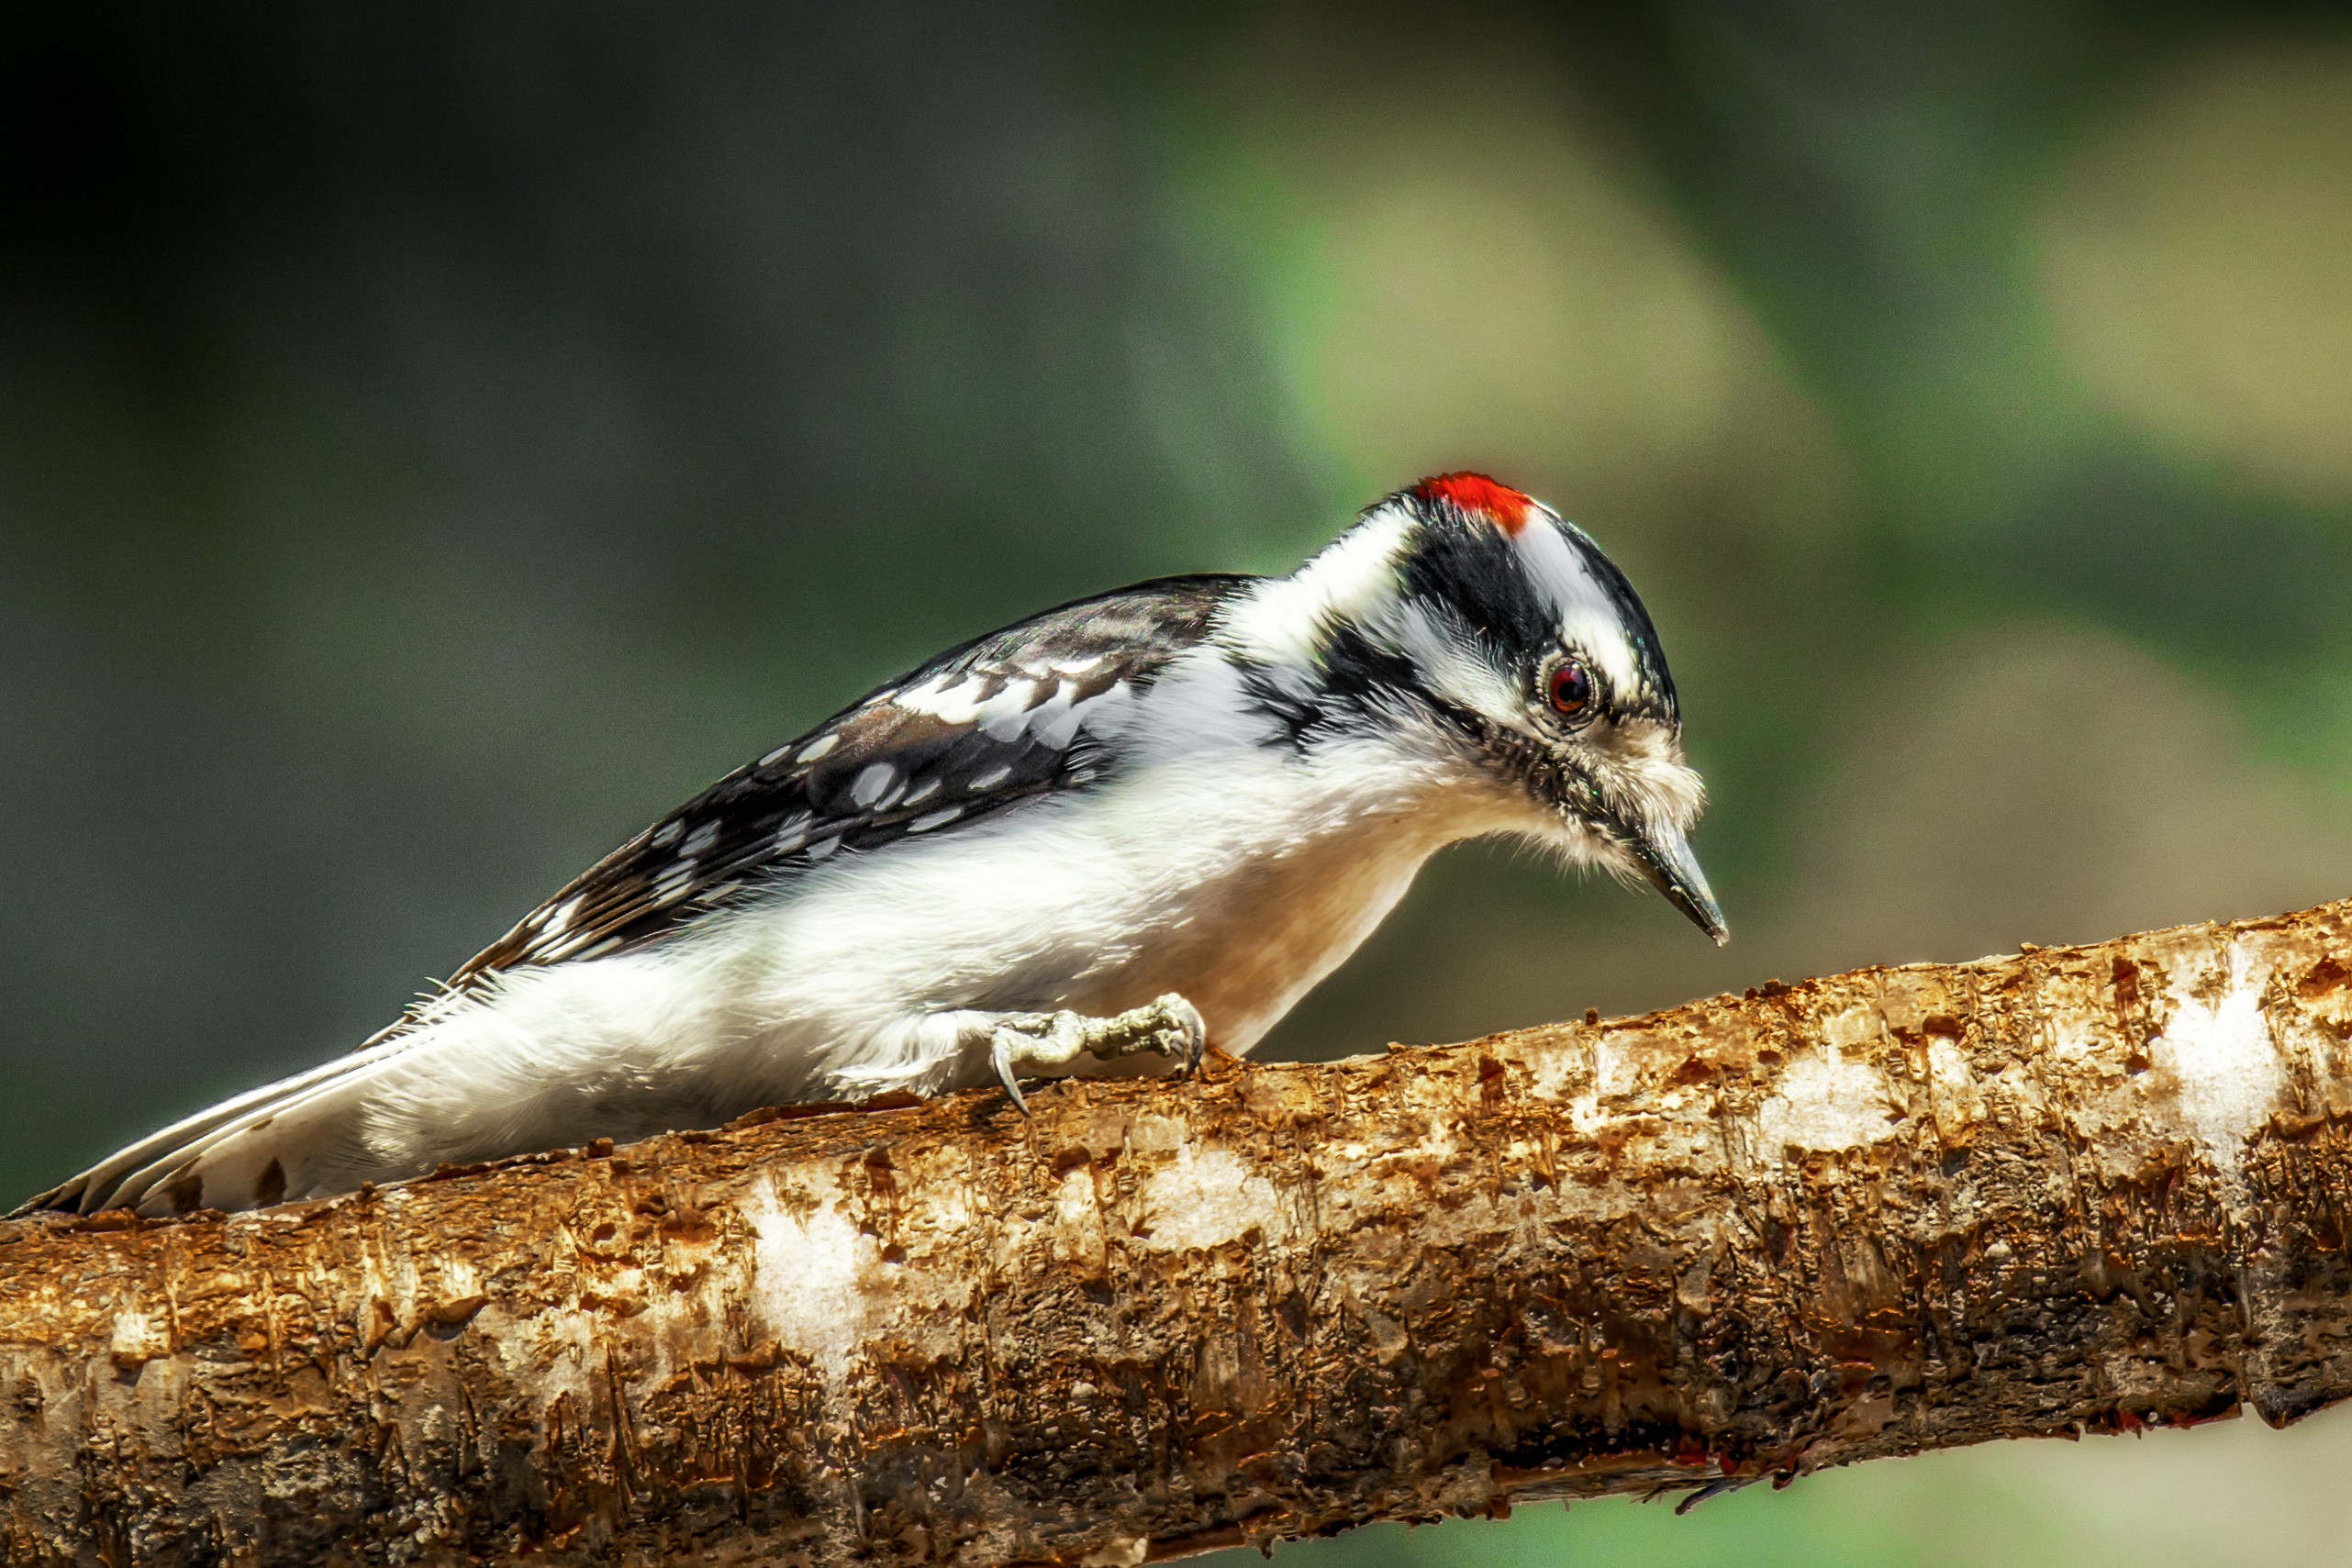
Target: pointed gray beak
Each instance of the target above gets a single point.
(1674, 871)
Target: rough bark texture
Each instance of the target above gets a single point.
(2072, 1190)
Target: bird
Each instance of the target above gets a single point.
(1098, 841)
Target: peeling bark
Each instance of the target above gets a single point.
(2067, 1191)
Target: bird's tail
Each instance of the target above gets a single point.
(284, 1140)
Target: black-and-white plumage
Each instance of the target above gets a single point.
(977, 729)
(1092, 841)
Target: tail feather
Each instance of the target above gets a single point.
(241, 1153)
(252, 1163)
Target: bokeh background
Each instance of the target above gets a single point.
(436, 438)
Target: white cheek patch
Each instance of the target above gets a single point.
(1446, 654)
(1588, 615)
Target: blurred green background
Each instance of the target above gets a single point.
(435, 439)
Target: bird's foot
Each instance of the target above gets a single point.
(1046, 1044)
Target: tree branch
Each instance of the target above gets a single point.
(2072, 1190)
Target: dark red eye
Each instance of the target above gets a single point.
(1571, 690)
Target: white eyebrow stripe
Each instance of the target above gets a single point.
(1587, 615)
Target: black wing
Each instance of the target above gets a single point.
(975, 731)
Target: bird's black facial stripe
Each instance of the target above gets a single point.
(1476, 572)
(1473, 581)
(1358, 680)
(1471, 569)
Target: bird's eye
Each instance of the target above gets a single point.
(1570, 689)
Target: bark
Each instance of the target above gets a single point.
(2061, 1192)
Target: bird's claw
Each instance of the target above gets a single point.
(1195, 1028)
(1168, 1025)
(1000, 1051)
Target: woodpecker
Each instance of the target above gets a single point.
(1098, 840)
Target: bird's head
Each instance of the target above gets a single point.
(1471, 624)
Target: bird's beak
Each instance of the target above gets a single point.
(1666, 858)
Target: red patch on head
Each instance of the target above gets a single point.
(1507, 508)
